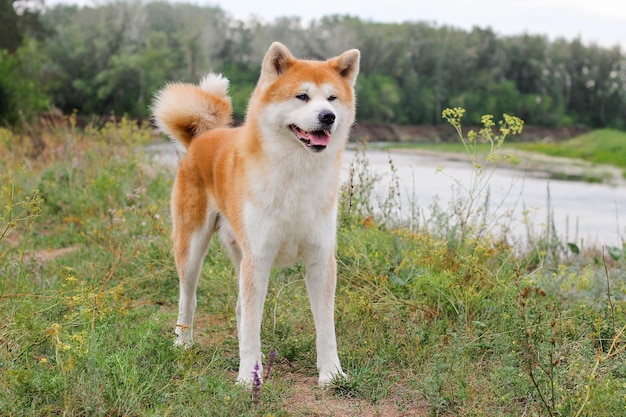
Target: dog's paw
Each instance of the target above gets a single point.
(252, 377)
(184, 336)
(248, 382)
(327, 379)
(245, 383)
(179, 343)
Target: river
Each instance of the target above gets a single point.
(581, 212)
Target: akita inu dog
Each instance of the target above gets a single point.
(269, 188)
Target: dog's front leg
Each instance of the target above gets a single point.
(321, 280)
(253, 281)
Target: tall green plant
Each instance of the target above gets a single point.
(18, 208)
(471, 215)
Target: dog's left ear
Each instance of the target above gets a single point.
(276, 61)
(347, 65)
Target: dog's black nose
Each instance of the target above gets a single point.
(327, 117)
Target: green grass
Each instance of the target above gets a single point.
(602, 146)
(429, 321)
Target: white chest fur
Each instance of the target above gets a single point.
(293, 208)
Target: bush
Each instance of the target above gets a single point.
(21, 98)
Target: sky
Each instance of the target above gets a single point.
(593, 21)
(599, 21)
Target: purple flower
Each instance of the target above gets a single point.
(269, 365)
(256, 379)
(256, 384)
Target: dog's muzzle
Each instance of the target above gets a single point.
(316, 140)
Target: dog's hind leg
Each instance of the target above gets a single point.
(234, 251)
(190, 247)
(230, 243)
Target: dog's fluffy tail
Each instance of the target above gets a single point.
(183, 111)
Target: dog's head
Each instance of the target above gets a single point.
(312, 102)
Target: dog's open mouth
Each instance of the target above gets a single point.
(316, 141)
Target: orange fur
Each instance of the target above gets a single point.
(212, 109)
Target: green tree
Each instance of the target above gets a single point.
(10, 36)
(378, 98)
(19, 20)
(21, 94)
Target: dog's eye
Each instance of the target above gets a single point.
(332, 98)
(303, 97)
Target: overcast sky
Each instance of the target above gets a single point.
(599, 21)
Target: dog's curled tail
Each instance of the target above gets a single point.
(184, 111)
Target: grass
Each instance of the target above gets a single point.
(602, 146)
(430, 321)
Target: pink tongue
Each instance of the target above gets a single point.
(318, 138)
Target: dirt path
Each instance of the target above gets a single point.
(308, 400)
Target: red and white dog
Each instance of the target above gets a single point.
(269, 188)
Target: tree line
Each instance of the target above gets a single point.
(112, 57)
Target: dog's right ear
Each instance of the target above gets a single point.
(276, 61)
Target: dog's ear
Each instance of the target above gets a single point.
(276, 61)
(347, 65)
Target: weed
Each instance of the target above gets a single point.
(19, 209)
(470, 209)
(357, 193)
(257, 382)
(615, 348)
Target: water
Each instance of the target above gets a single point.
(584, 212)
(581, 212)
